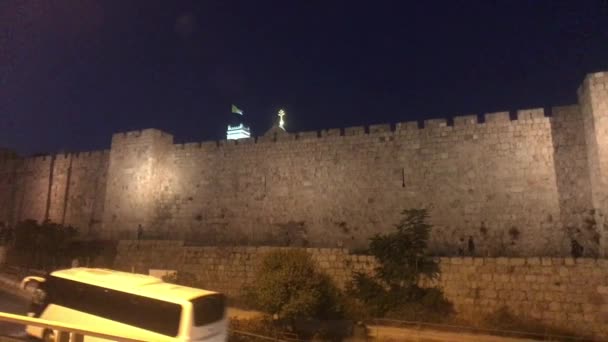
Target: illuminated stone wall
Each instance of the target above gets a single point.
(593, 99)
(494, 181)
(135, 173)
(516, 184)
(8, 168)
(563, 293)
(66, 189)
(32, 185)
(78, 190)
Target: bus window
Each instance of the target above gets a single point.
(208, 309)
(138, 311)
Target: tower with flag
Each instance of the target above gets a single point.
(237, 128)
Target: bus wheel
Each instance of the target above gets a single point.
(48, 336)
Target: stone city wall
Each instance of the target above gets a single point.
(494, 181)
(516, 184)
(570, 294)
(63, 188)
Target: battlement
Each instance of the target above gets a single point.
(594, 80)
(472, 122)
(86, 155)
(83, 155)
(141, 135)
(37, 159)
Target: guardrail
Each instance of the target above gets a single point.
(383, 323)
(64, 332)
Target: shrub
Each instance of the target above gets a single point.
(393, 291)
(288, 285)
(44, 246)
(402, 254)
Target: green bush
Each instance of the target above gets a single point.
(288, 285)
(393, 291)
(42, 246)
(402, 255)
(420, 304)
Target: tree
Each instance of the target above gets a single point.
(402, 255)
(44, 245)
(288, 285)
(403, 261)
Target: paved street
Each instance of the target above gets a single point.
(12, 304)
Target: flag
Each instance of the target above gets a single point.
(236, 110)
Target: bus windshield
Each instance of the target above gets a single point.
(142, 312)
(208, 309)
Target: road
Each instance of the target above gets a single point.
(12, 304)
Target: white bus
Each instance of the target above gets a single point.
(132, 305)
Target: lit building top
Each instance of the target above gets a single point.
(237, 129)
(237, 132)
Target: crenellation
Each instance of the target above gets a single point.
(265, 139)
(531, 114)
(85, 155)
(209, 145)
(226, 143)
(133, 137)
(497, 118)
(379, 128)
(286, 137)
(465, 120)
(247, 141)
(307, 135)
(356, 130)
(435, 123)
(332, 132)
(407, 126)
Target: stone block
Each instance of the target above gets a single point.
(502, 261)
(517, 261)
(533, 261)
(456, 261)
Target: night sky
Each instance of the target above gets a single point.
(73, 72)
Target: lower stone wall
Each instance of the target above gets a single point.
(560, 292)
(228, 269)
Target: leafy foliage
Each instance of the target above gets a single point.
(45, 245)
(402, 254)
(289, 286)
(393, 291)
(369, 291)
